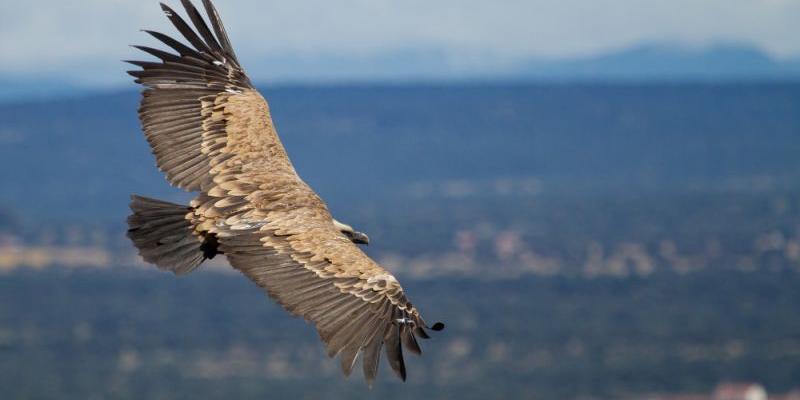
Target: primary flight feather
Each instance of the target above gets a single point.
(211, 132)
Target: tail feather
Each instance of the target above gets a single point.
(165, 236)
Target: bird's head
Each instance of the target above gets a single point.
(352, 234)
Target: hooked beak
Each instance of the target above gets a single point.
(360, 238)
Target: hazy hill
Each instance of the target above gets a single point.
(726, 62)
(15, 89)
(669, 63)
(70, 159)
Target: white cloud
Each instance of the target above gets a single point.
(84, 39)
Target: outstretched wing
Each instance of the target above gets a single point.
(315, 272)
(211, 131)
(186, 96)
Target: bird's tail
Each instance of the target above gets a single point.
(165, 235)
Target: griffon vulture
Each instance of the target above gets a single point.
(211, 132)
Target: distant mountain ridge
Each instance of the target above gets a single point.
(645, 62)
(669, 62)
(14, 89)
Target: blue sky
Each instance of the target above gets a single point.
(83, 40)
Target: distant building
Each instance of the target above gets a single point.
(793, 395)
(678, 397)
(730, 391)
(739, 391)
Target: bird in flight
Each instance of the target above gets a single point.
(211, 132)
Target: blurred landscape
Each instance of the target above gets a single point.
(646, 62)
(581, 240)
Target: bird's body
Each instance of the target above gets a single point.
(211, 132)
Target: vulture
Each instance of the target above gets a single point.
(211, 132)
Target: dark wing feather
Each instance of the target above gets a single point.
(219, 29)
(176, 91)
(186, 30)
(163, 55)
(201, 26)
(181, 48)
